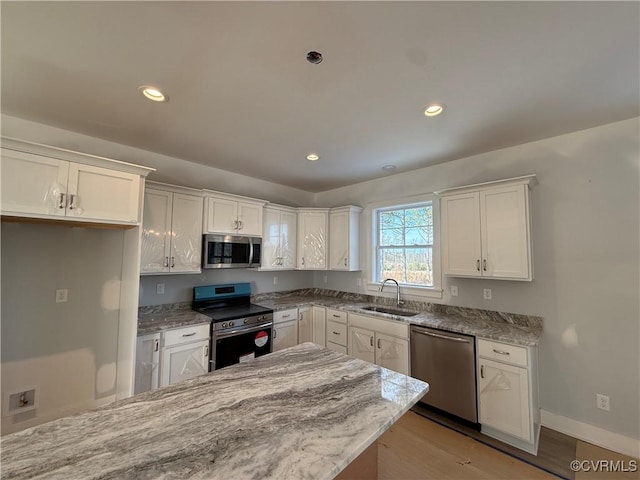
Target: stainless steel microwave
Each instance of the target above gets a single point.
(230, 251)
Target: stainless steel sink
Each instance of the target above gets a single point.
(391, 311)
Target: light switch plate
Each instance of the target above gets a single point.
(62, 295)
(487, 293)
(159, 288)
(454, 290)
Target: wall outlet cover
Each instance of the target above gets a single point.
(62, 295)
(454, 290)
(487, 293)
(20, 401)
(159, 288)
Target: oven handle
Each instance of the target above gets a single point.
(248, 330)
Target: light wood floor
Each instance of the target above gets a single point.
(417, 448)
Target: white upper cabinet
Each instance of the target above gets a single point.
(344, 235)
(486, 230)
(50, 183)
(279, 238)
(232, 214)
(313, 226)
(171, 231)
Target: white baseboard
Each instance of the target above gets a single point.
(588, 433)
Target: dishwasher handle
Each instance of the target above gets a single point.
(444, 337)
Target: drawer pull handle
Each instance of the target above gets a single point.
(482, 371)
(478, 264)
(501, 352)
(189, 334)
(286, 316)
(372, 341)
(157, 346)
(335, 333)
(337, 316)
(379, 344)
(62, 202)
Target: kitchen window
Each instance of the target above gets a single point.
(405, 247)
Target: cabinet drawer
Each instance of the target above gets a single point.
(337, 348)
(503, 352)
(337, 332)
(186, 334)
(336, 315)
(285, 315)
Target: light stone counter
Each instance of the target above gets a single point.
(304, 412)
(505, 327)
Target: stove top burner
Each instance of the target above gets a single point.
(232, 312)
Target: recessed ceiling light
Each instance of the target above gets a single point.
(152, 93)
(433, 110)
(389, 168)
(312, 157)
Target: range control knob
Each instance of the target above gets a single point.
(231, 324)
(224, 324)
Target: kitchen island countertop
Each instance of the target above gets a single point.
(303, 412)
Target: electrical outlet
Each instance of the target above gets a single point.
(602, 402)
(487, 293)
(454, 290)
(62, 295)
(275, 280)
(159, 288)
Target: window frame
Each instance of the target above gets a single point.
(408, 291)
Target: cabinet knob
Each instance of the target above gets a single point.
(371, 340)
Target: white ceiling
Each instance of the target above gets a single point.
(243, 97)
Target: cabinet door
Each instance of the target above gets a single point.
(361, 344)
(319, 328)
(156, 231)
(285, 335)
(222, 215)
(186, 234)
(288, 230)
(147, 363)
(184, 361)
(504, 398)
(338, 240)
(100, 194)
(505, 232)
(392, 353)
(312, 240)
(305, 333)
(33, 184)
(249, 219)
(271, 239)
(461, 251)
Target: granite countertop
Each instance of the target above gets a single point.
(480, 323)
(163, 317)
(304, 412)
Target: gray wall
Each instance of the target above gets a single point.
(67, 349)
(586, 243)
(179, 288)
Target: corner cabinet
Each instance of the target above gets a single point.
(486, 230)
(51, 183)
(508, 393)
(313, 228)
(279, 238)
(232, 214)
(344, 235)
(171, 230)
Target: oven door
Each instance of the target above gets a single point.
(241, 345)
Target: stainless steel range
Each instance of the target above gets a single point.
(240, 330)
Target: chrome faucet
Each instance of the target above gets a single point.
(398, 301)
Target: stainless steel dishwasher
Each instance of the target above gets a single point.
(447, 362)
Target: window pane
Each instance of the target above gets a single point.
(392, 264)
(415, 217)
(391, 236)
(419, 266)
(392, 219)
(419, 236)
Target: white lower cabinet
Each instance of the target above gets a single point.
(319, 326)
(507, 393)
(337, 330)
(305, 332)
(383, 342)
(185, 354)
(147, 363)
(285, 329)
